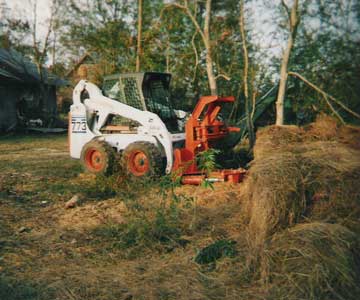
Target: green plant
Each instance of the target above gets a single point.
(207, 160)
(143, 231)
(150, 223)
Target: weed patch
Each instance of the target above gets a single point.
(154, 226)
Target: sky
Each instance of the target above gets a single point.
(24, 9)
(21, 8)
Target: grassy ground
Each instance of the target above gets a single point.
(41, 243)
(36, 177)
(49, 252)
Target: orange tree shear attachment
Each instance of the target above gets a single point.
(201, 130)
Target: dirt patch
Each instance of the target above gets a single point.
(90, 215)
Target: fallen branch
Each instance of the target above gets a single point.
(253, 105)
(333, 109)
(324, 94)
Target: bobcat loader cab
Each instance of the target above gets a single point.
(133, 117)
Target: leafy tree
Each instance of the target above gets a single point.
(100, 28)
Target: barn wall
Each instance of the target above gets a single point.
(17, 100)
(50, 103)
(8, 97)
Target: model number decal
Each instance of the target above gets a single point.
(78, 124)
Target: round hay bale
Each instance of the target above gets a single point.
(332, 174)
(274, 195)
(276, 138)
(312, 261)
(282, 185)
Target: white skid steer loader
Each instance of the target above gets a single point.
(135, 120)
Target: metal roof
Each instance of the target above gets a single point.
(17, 68)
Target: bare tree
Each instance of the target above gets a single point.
(139, 35)
(293, 22)
(205, 37)
(249, 120)
(41, 48)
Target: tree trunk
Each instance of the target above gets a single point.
(249, 120)
(293, 23)
(282, 85)
(205, 36)
(54, 51)
(40, 57)
(167, 56)
(210, 73)
(139, 36)
(209, 61)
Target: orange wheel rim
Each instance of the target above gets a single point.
(138, 163)
(94, 160)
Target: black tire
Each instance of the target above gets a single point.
(98, 157)
(142, 160)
